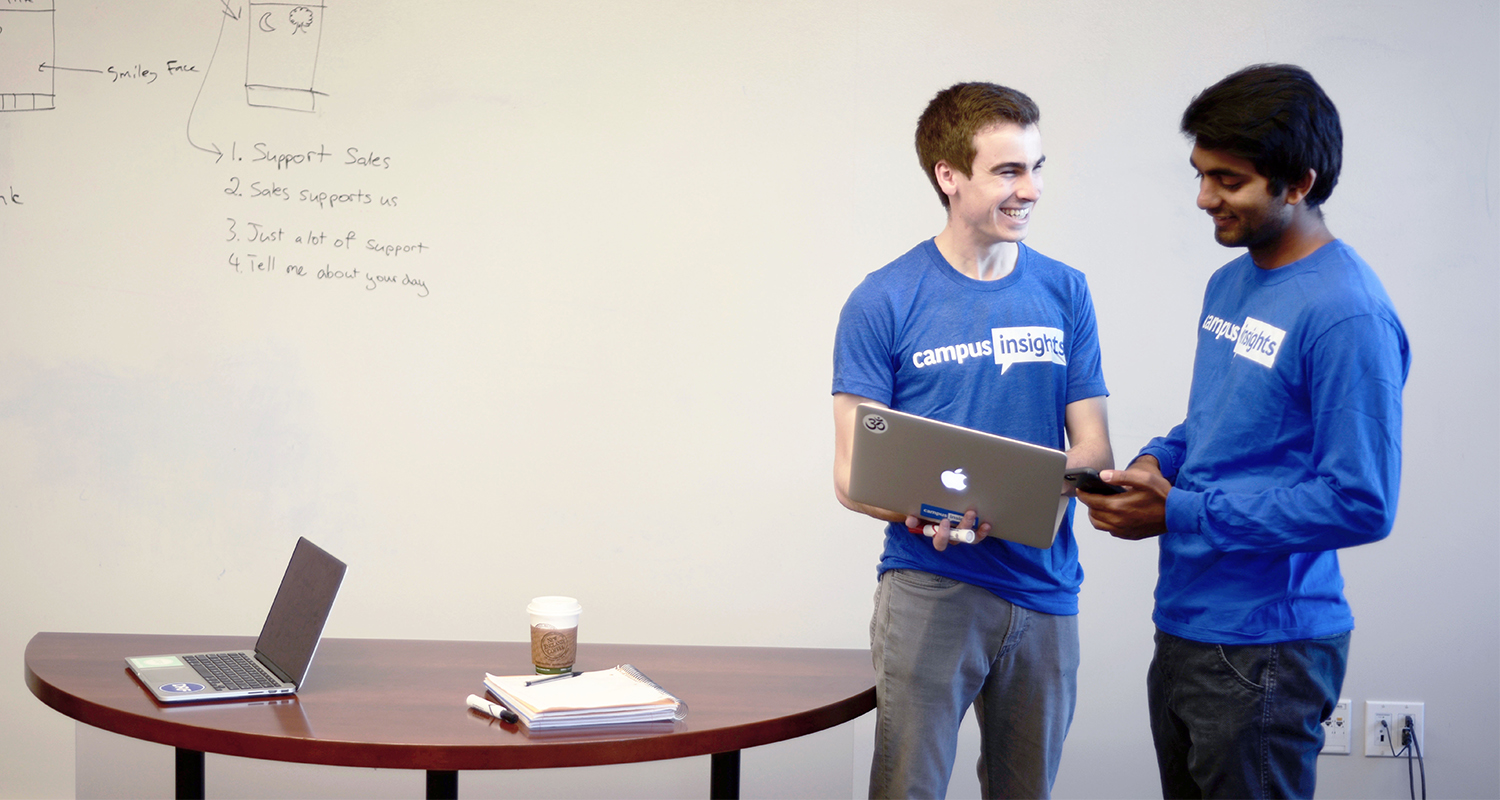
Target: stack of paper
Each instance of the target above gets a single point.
(605, 697)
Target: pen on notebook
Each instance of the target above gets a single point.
(554, 678)
(493, 709)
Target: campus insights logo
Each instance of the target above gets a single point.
(1256, 340)
(1259, 341)
(1033, 343)
(1008, 346)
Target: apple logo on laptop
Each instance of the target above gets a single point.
(955, 479)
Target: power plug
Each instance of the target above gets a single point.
(1387, 733)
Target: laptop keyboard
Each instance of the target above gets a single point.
(226, 671)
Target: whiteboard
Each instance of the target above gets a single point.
(479, 316)
(502, 299)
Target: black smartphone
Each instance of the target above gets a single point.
(1087, 480)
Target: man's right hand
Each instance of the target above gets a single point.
(941, 533)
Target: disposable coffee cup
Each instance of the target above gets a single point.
(554, 634)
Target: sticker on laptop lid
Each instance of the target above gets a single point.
(939, 514)
(875, 423)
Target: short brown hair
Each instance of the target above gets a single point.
(946, 130)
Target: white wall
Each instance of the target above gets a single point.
(641, 219)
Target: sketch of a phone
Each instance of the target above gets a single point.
(27, 56)
(283, 55)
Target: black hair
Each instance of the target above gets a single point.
(1276, 117)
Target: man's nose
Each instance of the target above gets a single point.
(1207, 197)
(1029, 187)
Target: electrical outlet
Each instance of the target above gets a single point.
(1336, 728)
(1387, 740)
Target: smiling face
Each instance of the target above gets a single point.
(1239, 199)
(994, 203)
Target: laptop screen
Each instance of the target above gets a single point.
(295, 623)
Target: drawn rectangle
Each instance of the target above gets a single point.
(282, 61)
(27, 55)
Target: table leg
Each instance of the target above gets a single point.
(724, 776)
(189, 774)
(442, 784)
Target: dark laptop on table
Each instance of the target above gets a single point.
(278, 664)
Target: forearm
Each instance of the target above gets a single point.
(1322, 513)
(1096, 454)
(844, 406)
(882, 514)
(1087, 423)
(1167, 452)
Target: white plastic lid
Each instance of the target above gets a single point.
(554, 606)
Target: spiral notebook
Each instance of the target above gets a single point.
(603, 697)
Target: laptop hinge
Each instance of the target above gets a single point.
(273, 669)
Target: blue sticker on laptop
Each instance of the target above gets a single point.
(934, 513)
(181, 688)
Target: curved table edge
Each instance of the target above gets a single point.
(442, 757)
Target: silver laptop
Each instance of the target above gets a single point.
(282, 654)
(936, 471)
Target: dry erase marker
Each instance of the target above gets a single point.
(495, 710)
(954, 534)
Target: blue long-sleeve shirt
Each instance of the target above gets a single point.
(1291, 449)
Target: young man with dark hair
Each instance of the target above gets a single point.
(1291, 450)
(992, 624)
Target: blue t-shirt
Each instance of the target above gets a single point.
(1291, 449)
(1003, 356)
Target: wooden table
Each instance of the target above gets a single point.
(399, 704)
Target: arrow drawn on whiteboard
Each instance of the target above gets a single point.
(45, 65)
(228, 14)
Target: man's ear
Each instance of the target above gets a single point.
(946, 180)
(1296, 192)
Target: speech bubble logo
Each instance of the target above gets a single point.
(1026, 344)
(1259, 341)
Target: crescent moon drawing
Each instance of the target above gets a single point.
(265, 23)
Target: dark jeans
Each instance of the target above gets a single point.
(1242, 720)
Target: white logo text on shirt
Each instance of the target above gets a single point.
(1007, 345)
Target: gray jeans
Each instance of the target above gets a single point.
(940, 645)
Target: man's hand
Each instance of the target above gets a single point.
(942, 531)
(1140, 513)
